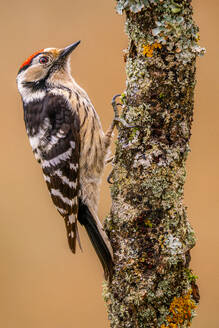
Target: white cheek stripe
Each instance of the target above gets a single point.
(27, 94)
(56, 192)
(31, 96)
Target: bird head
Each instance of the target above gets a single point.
(44, 65)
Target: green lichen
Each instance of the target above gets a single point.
(191, 276)
(148, 226)
(134, 5)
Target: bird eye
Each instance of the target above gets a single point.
(43, 60)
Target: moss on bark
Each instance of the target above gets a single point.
(147, 226)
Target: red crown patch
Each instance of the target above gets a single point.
(28, 60)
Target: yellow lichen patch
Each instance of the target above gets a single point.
(148, 49)
(180, 311)
(197, 37)
(157, 45)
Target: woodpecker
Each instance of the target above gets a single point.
(68, 141)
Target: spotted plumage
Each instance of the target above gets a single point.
(67, 140)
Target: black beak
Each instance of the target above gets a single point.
(67, 50)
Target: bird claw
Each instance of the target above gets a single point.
(109, 160)
(123, 122)
(117, 119)
(110, 177)
(115, 122)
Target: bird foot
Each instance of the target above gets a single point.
(109, 160)
(118, 119)
(115, 122)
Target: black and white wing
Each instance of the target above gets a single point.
(57, 148)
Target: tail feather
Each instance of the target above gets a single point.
(98, 239)
(71, 228)
(78, 237)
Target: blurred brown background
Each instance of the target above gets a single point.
(41, 283)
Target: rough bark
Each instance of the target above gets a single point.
(153, 285)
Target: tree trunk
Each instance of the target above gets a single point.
(150, 234)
